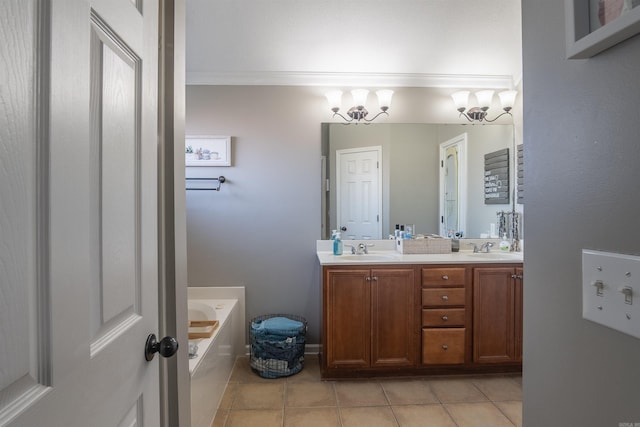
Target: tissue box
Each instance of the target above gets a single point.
(424, 246)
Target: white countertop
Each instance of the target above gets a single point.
(386, 254)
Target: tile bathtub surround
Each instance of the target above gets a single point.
(303, 400)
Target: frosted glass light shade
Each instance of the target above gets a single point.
(359, 97)
(508, 98)
(484, 98)
(461, 99)
(334, 99)
(384, 98)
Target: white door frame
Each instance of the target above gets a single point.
(460, 142)
(175, 380)
(339, 154)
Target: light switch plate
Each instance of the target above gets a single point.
(611, 290)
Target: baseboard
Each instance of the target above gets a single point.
(312, 349)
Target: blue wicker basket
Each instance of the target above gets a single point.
(277, 344)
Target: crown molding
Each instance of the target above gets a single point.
(327, 79)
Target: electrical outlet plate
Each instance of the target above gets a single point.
(611, 290)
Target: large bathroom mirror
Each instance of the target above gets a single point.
(403, 183)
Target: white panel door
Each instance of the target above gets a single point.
(359, 193)
(453, 186)
(78, 219)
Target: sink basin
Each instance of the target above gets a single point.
(369, 257)
(497, 255)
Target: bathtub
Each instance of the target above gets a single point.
(211, 368)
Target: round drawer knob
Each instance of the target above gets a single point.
(445, 277)
(445, 347)
(445, 318)
(445, 298)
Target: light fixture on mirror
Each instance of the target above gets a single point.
(358, 112)
(484, 98)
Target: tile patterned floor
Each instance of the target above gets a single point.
(303, 400)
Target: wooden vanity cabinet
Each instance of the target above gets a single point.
(369, 317)
(444, 315)
(388, 320)
(497, 315)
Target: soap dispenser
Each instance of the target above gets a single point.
(337, 244)
(505, 246)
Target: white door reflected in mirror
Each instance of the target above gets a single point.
(359, 193)
(453, 186)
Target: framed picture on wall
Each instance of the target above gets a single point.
(595, 25)
(204, 150)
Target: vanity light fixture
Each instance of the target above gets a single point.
(484, 97)
(358, 112)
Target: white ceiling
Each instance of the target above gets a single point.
(430, 43)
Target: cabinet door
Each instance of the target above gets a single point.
(518, 313)
(494, 315)
(394, 339)
(347, 318)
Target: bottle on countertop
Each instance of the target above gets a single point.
(408, 232)
(505, 246)
(337, 244)
(492, 231)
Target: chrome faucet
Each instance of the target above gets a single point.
(485, 247)
(360, 249)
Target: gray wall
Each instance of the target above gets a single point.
(582, 157)
(260, 229)
(414, 178)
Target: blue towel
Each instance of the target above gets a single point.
(277, 324)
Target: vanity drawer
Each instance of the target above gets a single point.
(439, 277)
(443, 346)
(443, 297)
(447, 317)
